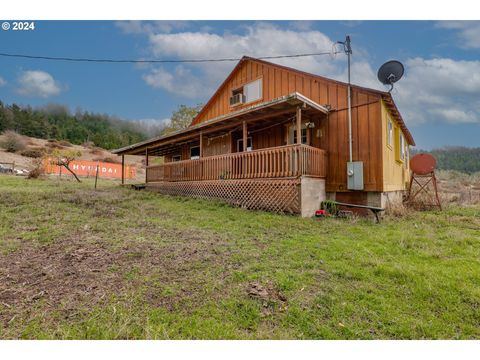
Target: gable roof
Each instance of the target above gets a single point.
(385, 96)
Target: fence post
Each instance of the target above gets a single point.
(96, 176)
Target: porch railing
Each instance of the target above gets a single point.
(277, 162)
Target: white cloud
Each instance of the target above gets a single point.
(261, 39)
(38, 83)
(2, 81)
(468, 32)
(180, 82)
(440, 90)
(432, 90)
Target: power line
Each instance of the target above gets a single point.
(158, 61)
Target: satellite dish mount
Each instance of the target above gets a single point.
(390, 72)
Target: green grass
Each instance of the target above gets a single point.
(178, 268)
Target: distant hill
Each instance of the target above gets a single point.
(458, 158)
(56, 122)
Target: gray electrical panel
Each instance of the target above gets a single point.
(355, 175)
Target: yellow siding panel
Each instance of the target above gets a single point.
(395, 173)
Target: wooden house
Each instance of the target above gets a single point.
(275, 138)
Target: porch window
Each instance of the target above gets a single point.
(195, 152)
(240, 144)
(176, 158)
(293, 134)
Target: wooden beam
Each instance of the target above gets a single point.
(146, 157)
(299, 125)
(123, 169)
(245, 136)
(201, 144)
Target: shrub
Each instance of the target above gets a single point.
(37, 169)
(33, 153)
(96, 151)
(88, 144)
(65, 143)
(12, 142)
(54, 145)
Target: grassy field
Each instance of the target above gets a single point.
(121, 264)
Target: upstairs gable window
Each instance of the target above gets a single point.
(253, 90)
(247, 93)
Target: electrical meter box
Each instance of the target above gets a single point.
(355, 175)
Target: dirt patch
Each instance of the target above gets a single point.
(78, 273)
(265, 292)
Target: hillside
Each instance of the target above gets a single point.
(56, 122)
(25, 158)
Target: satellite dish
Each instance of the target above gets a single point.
(390, 72)
(423, 164)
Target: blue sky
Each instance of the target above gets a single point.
(438, 97)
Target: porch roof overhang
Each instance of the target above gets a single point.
(270, 112)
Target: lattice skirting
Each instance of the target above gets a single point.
(277, 195)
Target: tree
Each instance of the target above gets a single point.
(64, 158)
(181, 118)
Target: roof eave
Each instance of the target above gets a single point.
(191, 128)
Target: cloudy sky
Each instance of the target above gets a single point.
(439, 96)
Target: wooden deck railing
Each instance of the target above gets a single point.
(277, 162)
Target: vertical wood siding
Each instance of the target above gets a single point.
(366, 119)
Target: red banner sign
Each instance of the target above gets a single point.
(88, 168)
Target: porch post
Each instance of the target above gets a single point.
(123, 169)
(146, 164)
(245, 135)
(299, 125)
(201, 144)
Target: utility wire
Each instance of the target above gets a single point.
(159, 61)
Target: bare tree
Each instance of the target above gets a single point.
(64, 158)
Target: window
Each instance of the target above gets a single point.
(176, 157)
(195, 152)
(253, 90)
(389, 132)
(402, 147)
(237, 91)
(293, 134)
(399, 145)
(247, 93)
(240, 144)
(407, 156)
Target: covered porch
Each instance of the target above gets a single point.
(260, 157)
(277, 162)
